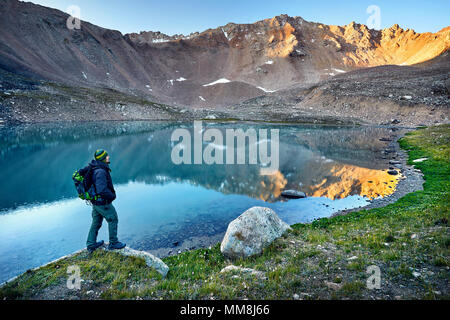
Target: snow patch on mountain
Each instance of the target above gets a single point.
(265, 90)
(222, 80)
(159, 40)
(225, 33)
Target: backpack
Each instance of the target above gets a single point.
(82, 179)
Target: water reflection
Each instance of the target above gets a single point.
(160, 203)
(39, 161)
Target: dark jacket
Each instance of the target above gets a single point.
(101, 178)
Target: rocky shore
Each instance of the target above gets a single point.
(411, 178)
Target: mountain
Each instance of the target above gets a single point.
(215, 68)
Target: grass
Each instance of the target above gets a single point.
(408, 240)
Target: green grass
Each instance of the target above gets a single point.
(299, 262)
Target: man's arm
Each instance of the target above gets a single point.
(101, 186)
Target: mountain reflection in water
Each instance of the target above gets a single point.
(322, 161)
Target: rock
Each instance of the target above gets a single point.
(211, 117)
(395, 121)
(332, 285)
(253, 272)
(393, 172)
(251, 232)
(406, 97)
(296, 297)
(150, 260)
(416, 274)
(420, 160)
(293, 194)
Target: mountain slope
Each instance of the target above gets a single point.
(255, 59)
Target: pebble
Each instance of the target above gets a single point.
(332, 285)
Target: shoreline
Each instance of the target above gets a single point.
(412, 180)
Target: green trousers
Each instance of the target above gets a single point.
(98, 213)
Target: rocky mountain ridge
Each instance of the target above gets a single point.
(240, 61)
(216, 69)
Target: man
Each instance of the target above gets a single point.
(102, 207)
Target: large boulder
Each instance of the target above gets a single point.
(251, 232)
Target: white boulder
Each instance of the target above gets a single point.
(251, 232)
(150, 260)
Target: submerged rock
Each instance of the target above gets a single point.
(293, 194)
(251, 232)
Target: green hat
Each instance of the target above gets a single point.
(100, 154)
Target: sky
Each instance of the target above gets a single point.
(186, 16)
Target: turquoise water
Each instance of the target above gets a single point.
(160, 204)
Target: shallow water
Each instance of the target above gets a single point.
(160, 203)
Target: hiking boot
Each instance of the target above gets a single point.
(95, 246)
(117, 245)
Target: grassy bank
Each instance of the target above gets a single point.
(408, 240)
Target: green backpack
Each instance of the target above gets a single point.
(82, 179)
